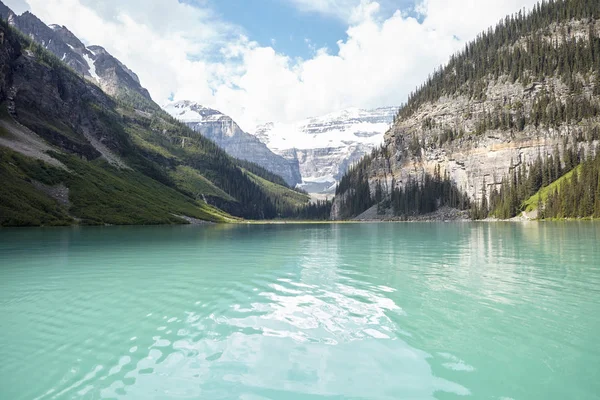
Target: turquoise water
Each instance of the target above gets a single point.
(373, 311)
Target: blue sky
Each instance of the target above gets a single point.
(277, 60)
(289, 29)
(282, 26)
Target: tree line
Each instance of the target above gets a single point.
(572, 197)
(494, 53)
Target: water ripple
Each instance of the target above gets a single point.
(366, 311)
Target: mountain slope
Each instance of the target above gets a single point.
(74, 154)
(221, 129)
(519, 92)
(93, 62)
(326, 146)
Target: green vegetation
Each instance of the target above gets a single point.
(526, 183)
(283, 196)
(354, 186)
(291, 203)
(21, 204)
(426, 196)
(415, 197)
(494, 54)
(102, 194)
(160, 139)
(190, 180)
(172, 169)
(554, 189)
(257, 170)
(575, 196)
(98, 193)
(541, 197)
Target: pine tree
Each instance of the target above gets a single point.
(484, 201)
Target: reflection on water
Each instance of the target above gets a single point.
(382, 311)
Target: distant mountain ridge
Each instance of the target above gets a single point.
(326, 146)
(92, 62)
(226, 133)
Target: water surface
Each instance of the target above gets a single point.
(369, 311)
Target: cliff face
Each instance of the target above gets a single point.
(473, 158)
(56, 104)
(226, 133)
(479, 129)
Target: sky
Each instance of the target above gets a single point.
(277, 60)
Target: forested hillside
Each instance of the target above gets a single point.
(69, 153)
(518, 107)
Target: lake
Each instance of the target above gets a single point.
(348, 311)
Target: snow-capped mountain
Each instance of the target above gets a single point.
(326, 146)
(223, 130)
(92, 62)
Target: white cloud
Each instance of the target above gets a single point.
(466, 18)
(184, 50)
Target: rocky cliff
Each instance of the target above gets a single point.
(223, 130)
(92, 62)
(326, 146)
(528, 88)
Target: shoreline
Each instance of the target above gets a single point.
(328, 222)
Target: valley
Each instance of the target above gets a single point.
(480, 137)
(245, 200)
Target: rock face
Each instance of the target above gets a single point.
(445, 132)
(228, 135)
(92, 62)
(471, 159)
(326, 146)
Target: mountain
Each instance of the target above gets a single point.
(92, 62)
(228, 135)
(72, 154)
(514, 111)
(326, 146)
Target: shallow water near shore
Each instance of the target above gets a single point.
(357, 311)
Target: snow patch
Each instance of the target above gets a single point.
(91, 66)
(318, 179)
(190, 112)
(182, 113)
(297, 136)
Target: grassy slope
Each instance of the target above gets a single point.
(21, 204)
(190, 180)
(99, 194)
(274, 190)
(531, 203)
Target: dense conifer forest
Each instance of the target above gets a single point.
(493, 54)
(569, 189)
(526, 48)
